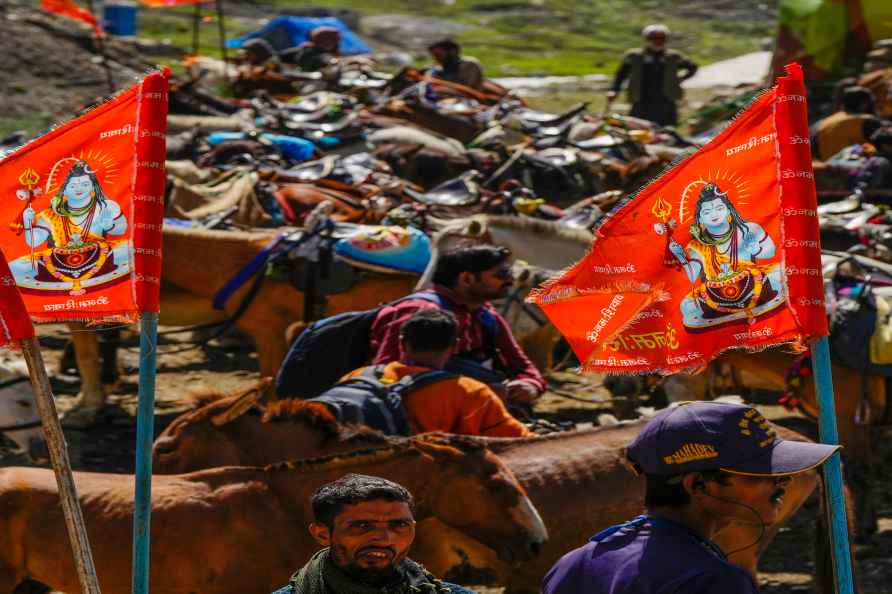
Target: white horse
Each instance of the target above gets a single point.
(19, 420)
(543, 244)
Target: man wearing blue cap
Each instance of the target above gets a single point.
(706, 464)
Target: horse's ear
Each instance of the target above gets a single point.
(243, 404)
(522, 271)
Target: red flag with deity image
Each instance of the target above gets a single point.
(14, 321)
(722, 251)
(81, 210)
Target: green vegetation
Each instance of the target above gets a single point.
(31, 123)
(532, 37)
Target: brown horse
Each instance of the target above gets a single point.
(576, 479)
(216, 433)
(236, 530)
(852, 390)
(197, 263)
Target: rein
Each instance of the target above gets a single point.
(514, 297)
(17, 426)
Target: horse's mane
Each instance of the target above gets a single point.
(211, 401)
(318, 416)
(540, 227)
(399, 446)
(204, 395)
(502, 444)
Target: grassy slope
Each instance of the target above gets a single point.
(542, 36)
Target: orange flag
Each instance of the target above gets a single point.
(14, 321)
(722, 251)
(71, 10)
(81, 210)
(156, 3)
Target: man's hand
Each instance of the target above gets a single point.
(611, 97)
(522, 391)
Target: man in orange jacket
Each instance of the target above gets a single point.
(456, 405)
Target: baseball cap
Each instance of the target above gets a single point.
(696, 436)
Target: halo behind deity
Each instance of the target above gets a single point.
(733, 184)
(104, 166)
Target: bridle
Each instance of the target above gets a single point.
(17, 426)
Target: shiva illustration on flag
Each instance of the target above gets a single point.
(722, 251)
(81, 210)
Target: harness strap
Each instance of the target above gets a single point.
(250, 269)
(514, 297)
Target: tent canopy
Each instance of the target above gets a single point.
(830, 38)
(288, 31)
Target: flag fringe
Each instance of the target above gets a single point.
(798, 344)
(115, 317)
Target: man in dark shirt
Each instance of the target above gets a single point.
(454, 68)
(314, 54)
(706, 464)
(655, 75)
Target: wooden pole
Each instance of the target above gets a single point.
(58, 450)
(221, 28)
(145, 428)
(832, 469)
(196, 22)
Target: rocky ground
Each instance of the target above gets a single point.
(787, 566)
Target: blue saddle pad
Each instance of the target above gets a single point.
(405, 249)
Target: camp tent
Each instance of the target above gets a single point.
(289, 31)
(830, 38)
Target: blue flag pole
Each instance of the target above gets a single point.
(145, 428)
(836, 506)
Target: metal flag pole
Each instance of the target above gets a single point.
(832, 469)
(145, 427)
(58, 450)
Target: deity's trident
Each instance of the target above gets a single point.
(29, 178)
(662, 209)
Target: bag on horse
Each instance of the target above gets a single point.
(369, 400)
(331, 347)
(859, 325)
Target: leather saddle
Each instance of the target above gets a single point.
(352, 170)
(542, 123)
(460, 191)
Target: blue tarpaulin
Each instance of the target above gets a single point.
(288, 31)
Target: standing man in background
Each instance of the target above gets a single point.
(655, 75)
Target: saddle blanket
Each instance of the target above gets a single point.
(395, 248)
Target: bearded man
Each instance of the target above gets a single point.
(366, 525)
